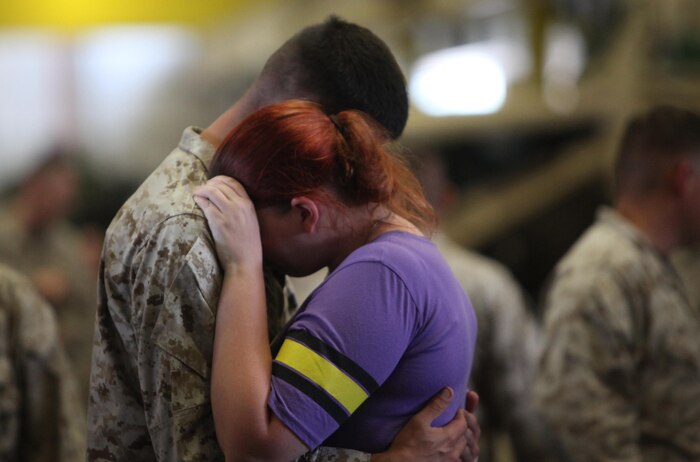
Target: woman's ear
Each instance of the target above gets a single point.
(309, 212)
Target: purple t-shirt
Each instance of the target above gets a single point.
(386, 331)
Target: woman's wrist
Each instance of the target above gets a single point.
(243, 269)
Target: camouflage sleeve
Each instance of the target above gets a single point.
(325, 454)
(505, 362)
(175, 354)
(177, 286)
(53, 422)
(586, 385)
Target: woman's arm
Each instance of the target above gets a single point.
(242, 361)
(241, 376)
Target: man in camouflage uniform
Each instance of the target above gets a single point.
(160, 280)
(37, 240)
(41, 418)
(507, 349)
(508, 340)
(687, 263)
(620, 372)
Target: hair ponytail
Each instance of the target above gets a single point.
(380, 173)
(293, 148)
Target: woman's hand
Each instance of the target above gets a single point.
(232, 220)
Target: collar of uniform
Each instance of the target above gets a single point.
(612, 218)
(193, 143)
(442, 240)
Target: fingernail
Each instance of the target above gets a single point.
(446, 393)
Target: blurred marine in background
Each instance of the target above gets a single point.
(620, 372)
(508, 341)
(41, 418)
(37, 240)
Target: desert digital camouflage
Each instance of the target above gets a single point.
(159, 285)
(41, 418)
(620, 372)
(507, 348)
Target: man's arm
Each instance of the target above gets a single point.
(53, 422)
(506, 360)
(177, 285)
(418, 440)
(586, 387)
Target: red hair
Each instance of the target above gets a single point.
(294, 149)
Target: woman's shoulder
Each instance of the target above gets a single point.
(394, 247)
(408, 256)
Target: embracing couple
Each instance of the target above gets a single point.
(297, 175)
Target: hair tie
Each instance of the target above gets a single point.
(334, 119)
(348, 168)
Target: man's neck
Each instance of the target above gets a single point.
(215, 133)
(655, 217)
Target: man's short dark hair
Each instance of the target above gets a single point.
(652, 142)
(344, 66)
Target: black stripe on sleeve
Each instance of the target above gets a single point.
(319, 396)
(337, 358)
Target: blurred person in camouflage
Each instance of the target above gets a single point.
(37, 239)
(41, 417)
(160, 279)
(620, 371)
(687, 263)
(508, 335)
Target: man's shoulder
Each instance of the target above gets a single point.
(163, 202)
(599, 251)
(604, 274)
(170, 186)
(475, 269)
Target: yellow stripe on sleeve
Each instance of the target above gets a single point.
(323, 373)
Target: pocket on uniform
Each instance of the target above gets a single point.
(188, 368)
(184, 331)
(188, 389)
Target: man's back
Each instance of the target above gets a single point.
(620, 376)
(158, 287)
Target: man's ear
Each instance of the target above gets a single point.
(309, 212)
(681, 177)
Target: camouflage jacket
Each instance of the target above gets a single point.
(687, 262)
(57, 248)
(159, 285)
(41, 418)
(506, 351)
(620, 371)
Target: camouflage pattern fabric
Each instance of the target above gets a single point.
(159, 285)
(41, 418)
(687, 262)
(620, 373)
(57, 248)
(507, 349)
(323, 454)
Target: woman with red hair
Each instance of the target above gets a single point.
(387, 329)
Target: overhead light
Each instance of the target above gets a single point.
(564, 62)
(464, 80)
